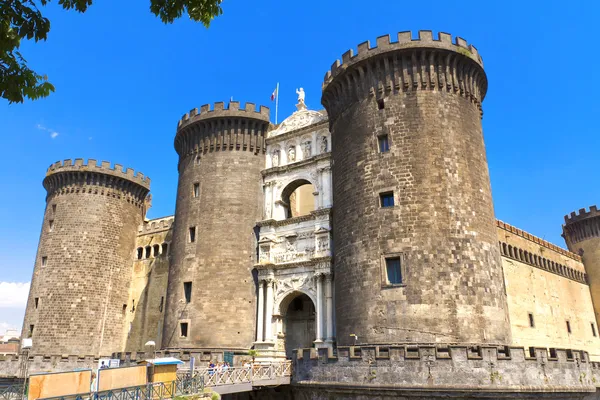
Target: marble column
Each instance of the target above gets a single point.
(329, 307)
(319, 308)
(269, 312)
(326, 188)
(260, 315)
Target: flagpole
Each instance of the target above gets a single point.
(276, 102)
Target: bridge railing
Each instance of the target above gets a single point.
(237, 375)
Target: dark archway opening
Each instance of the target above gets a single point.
(299, 324)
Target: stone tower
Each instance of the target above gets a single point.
(79, 289)
(582, 235)
(416, 257)
(211, 290)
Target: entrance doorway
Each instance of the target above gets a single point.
(299, 324)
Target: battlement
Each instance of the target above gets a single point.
(405, 40)
(80, 165)
(156, 225)
(220, 111)
(581, 215)
(537, 240)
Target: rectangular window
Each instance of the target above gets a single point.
(380, 104)
(196, 190)
(384, 143)
(162, 302)
(594, 329)
(531, 321)
(192, 234)
(53, 208)
(124, 309)
(393, 270)
(44, 261)
(31, 330)
(387, 199)
(569, 326)
(187, 290)
(50, 225)
(37, 301)
(184, 329)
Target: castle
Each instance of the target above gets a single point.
(361, 235)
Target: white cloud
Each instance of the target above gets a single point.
(13, 294)
(53, 133)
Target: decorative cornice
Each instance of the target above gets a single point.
(296, 165)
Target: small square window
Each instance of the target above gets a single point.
(393, 270)
(187, 290)
(531, 320)
(387, 199)
(594, 329)
(384, 143)
(192, 234)
(184, 329)
(196, 190)
(50, 225)
(569, 326)
(44, 261)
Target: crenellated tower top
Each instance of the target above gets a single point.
(405, 65)
(582, 225)
(105, 167)
(222, 128)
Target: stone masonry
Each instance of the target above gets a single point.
(80, 284)
(424, 97)
(219, 196)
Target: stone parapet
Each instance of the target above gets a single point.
(581, 226)
(219, 111)
(446, 368)
(105, 168)
(156, 225)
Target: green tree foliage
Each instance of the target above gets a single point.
(22, 19)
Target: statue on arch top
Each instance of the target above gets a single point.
(301, 95)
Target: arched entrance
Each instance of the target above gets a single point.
(298, 323)
(298, 198)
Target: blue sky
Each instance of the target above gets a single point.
(123, 79)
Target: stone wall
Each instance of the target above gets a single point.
(222, 152)
(376, 372)
(147, 294)
(82, 269)
(441, 225)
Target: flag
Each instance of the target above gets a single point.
(274, 94)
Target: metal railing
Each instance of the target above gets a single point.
(154, 391)
(231, 376)
(11, 392)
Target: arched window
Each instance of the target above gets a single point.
(148, 250)
(140, 253)
(156, 250)
(298, 198)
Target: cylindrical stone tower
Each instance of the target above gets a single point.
(211, 290)
(417, 258)
(80, 284)
(582, 235)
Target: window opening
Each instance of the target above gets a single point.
(384, 143)
(531, 321)
(387, 199)
(50, 225)
(569, 326)
(184, 329)
(165, 248)
(192, 234)
(187, 289)
(196, 190)
(593, 329)
(44, 261)
(393, 270)
(140, 253)
(380, 104)
(31, 330)
(124, 309)
(156, 250)
(53, 208)
(148, 248)
(162, 302)
(37, 301)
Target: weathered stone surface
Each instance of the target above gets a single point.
(82, 272)
(442, 223)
